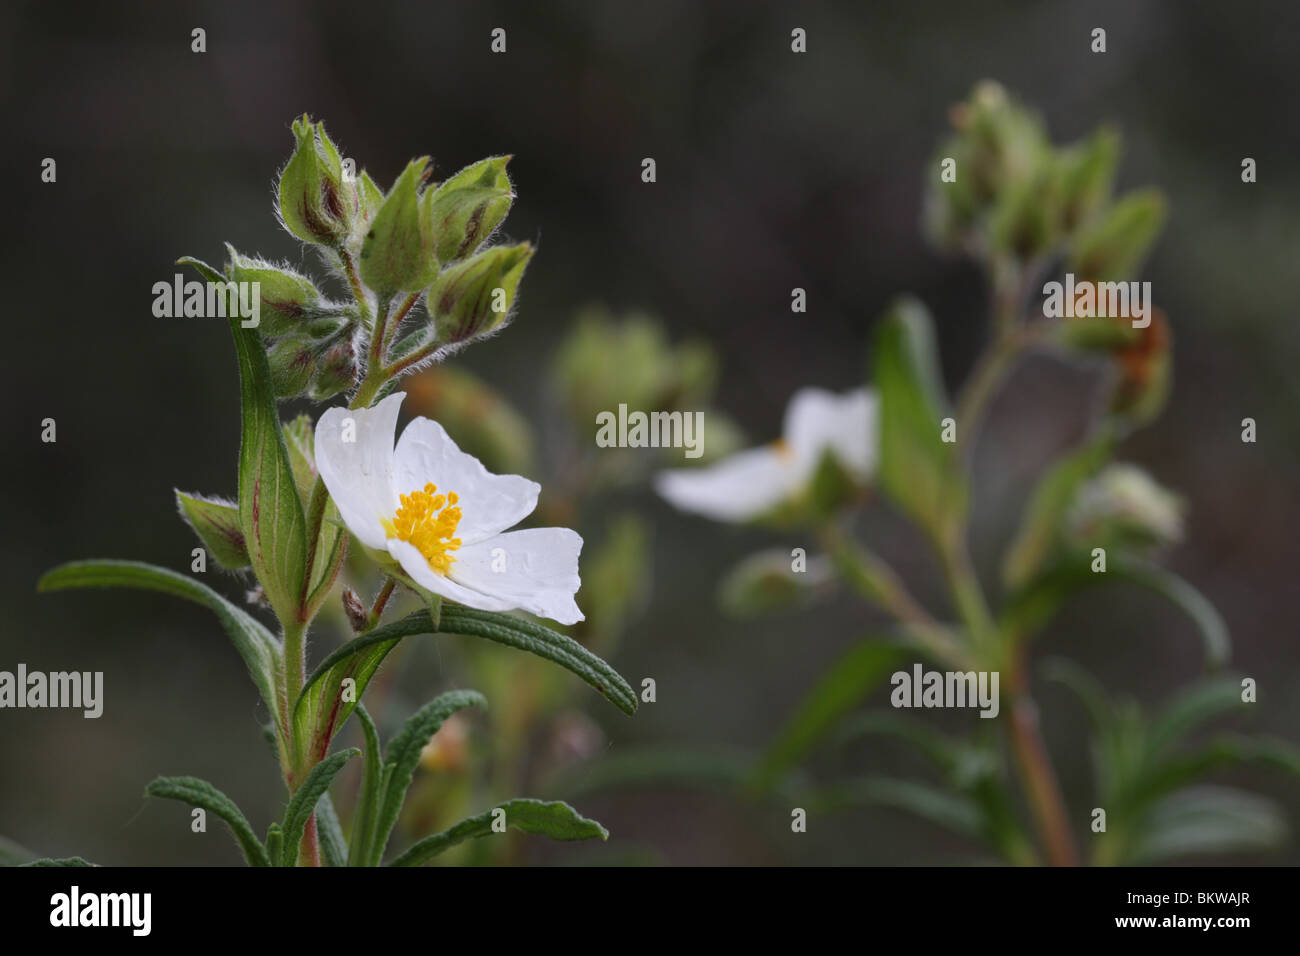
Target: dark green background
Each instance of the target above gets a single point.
(775, 170)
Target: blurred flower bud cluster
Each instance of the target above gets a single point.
(1001, 188)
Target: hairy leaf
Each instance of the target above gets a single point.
(200, 793)
(303, 803)
(403, 754)
(256, 645)
(557, 820)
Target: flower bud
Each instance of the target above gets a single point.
(1086, 174)
(355, 611)
(293, 362)
(1123, 505)
(398, 253)
(472, 299)
(369, 196)
(1112, 247)
(1144, 372)
(286, 298)
(466, 208)
(766, 582)
(316, 204)
(336, 370)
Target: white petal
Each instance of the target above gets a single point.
(535, 570)
(414, 564)
(738, 488)
(817, 420)
(490, 503)
(359, 473)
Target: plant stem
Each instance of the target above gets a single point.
(381, 599)
(873, 578)
(354, 280)
(309, 850)
(1041, 787)
(402, 364)
(295, 671)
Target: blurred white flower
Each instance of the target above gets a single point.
(1127, 499)
(752, 483)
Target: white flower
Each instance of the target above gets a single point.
(439, 514)
(1130, 499)
(751, 483)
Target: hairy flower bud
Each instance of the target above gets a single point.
(354, 610)
(316, 204)
(472, 299)
(286, 298)
(336, 370)
(293, 362)
(398, 253)
(466, 208)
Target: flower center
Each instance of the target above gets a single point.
(428, 520)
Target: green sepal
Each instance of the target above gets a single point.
(287, 299)
(216, 522)
(466, 209)
(398, 253)
(316, 205)
(464, 300)
(1112, 247)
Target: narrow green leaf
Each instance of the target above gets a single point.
(63, 861)
(270, 513)
(321, 711)
(303, 803)
(1208, 820)
(556, 820)
(200, 793)
(216, 522)
(1160, 778)
(1033, 605)
(1048, 506)
(333, 846)
(950, 811)
(256, 645)
(274, 843)
(203, 269)
(1194, 706)
(13, 854)
(363, 820)
(403, 755)
(843, 686)
(917, 469)
(544, 642)
(939, 749)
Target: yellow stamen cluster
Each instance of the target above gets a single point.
(428, 520)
